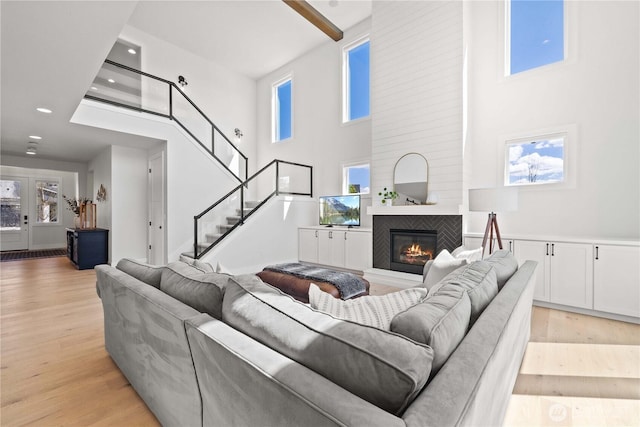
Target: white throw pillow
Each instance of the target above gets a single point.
(471, 255)
(442, 265)
(370, 310)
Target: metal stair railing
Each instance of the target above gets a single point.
(126, 87)
(279, 177)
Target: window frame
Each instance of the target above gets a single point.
(569, 40)
(346, 99)
(275, 109)
(36, 207)
(345, 176)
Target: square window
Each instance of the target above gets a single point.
(356, 179)
(356, 76)
(536, 160)
(282, 106)
(536, 34)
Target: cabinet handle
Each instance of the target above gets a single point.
(510, 246)
(596, 252)
(345, 235)
(316, 234)
(553, 249)
(331, 234)
(547, 249)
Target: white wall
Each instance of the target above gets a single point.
(596, 91)
(416, 85)
(228, 98)
(319, 137)
(46, 236)
(101, 168)
(129, 203)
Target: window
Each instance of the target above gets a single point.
(46, 201)
(356, 179)
(536, 160)
(536, 34)
(356, 80)
(282, 110)
(11, 205)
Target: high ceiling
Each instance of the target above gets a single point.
(52, 50)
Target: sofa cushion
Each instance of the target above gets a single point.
(443, 264)
(471, 255)
(478, 279)
(147, 273)
(202, 291)
(440, 321)
(505, 265)
(385, 369)
(370, 310)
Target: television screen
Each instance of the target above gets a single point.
(340, 210)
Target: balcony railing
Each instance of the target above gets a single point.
(126, 87)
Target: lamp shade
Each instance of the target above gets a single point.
(493, 199)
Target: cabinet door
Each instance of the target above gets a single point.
(617, 279)
(571, 274)
(358, 251)
(308, 245)
(535, 251)
(331, 248)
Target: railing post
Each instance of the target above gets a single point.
(310, 181)
(195, 237)
(242, 204)
(277, 177)
(170, 102)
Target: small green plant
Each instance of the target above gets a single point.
(387, 195)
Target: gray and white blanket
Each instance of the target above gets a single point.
(348, 284)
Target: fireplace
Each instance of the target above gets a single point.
(411, 249)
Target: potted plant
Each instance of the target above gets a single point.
(387, 196)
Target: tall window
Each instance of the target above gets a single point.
(356, 80)
(46, 201)
(536, 34)
(282, 109)
(356, 179)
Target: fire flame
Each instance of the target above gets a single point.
(415, 250)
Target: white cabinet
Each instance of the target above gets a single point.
(308, 245)
(616, 287)
(564, 275)
(476, 242)
(342, 248)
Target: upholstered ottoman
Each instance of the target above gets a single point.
(298, 287)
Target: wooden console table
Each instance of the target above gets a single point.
(87, 247)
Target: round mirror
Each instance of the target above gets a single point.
(410, 179)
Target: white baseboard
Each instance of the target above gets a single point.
(588, 312)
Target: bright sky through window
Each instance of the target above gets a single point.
(536, 33)
(358, 179)
(283, 111)
(536, 162)
(358, 81)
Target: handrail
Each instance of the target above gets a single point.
(197, 254)
(171, 116)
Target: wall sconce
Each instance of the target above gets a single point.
(238, 133)
(32, 148)
(182, 81)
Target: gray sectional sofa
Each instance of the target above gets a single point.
(209, 349)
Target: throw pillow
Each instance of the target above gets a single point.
(370, 310)
(470, 255)
(147, 273)
(505, 265)
(441, 266)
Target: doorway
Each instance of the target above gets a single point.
(14, 218)
(157, 229)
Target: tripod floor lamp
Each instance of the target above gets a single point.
(493, 200)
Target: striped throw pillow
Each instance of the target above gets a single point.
(370, 310)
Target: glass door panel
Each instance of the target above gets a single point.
(14, 217)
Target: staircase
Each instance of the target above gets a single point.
(143, 92)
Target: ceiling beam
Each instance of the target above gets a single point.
(316, 18)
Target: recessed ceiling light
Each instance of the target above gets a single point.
(35, 137)
(94, 88)
(132, 51)
(44, 110)
(111, 81)
(31, 151)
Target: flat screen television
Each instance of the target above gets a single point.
(340, 210)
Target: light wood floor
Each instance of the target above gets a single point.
(578, 370)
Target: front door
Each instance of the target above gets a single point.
(14, 219)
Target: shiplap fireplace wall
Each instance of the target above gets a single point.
(416, 90)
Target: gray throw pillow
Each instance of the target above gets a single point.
(202, 291)
(147, 273)
(383, 368)
(505, 265)
(441, 322)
